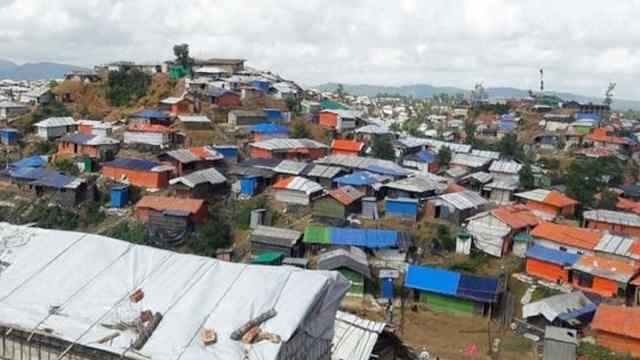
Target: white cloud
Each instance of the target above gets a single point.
(581, 44)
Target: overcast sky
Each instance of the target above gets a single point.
(582, 44)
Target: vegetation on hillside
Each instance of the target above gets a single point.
(126, 87)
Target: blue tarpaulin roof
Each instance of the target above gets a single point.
(27, 173)
(387, 171)
(551, 255)
(576, 313)
(358, 178)
(151, 114)
(269, 128)
(54, 179)
(134, 164)
(32, 161)
(432, 279)
(588, 115)
(478, 288)
(368, 238)
(427, 156)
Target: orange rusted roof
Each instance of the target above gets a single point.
(346, 195)
(568, 235)
(150, 128)
(516, 216)
(600, 135)
(161, 203)
(347, 145)
(620, 320)
(283, 183)
(559, 199)
(614, 268)
(628, 205)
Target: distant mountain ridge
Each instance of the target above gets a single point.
(35, 71)
(422, 91)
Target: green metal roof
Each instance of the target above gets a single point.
(317, 235)
(268, 258)
(523, 236)
(328, 104)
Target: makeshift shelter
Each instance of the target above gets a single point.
(337, 205)
(270, 239)
(370, 208)
(188, 160)
(493, 231)
(287, 149)
(476, 181)
(425, 160)
(265, 131)
(55, 127)
(617, 328)
(138, 172)
(604, 277)
(346, 147)
(560, 343)
(470, 162)
(94, 146)
(195, 122)
(363, 181)
(549, 201)
(500, 191)
(119, 280)
(505, 169)
(613, 221)
(64, 190)
(338, 120)
(194, 210)
(378, 166)
(9, 136)
(150, 117)
(296, 190)
(323, 174)
(550, 264)
(268, 258)
(416, 187)
(200, 184)
(287, 168)
(403, 208)
(573, 309)
(246, 117)
(455, 207)
(323, 236)
(149, 135)
(449, 291)
(351, 263)
(566, 238)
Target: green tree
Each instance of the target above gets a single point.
(444, 156)
(66, 166)
(587, 177)
(181, 52)
(125, 87)
(527, 179)
(470, 133)
(382, 148)
(608, 200)
(340, 91)
(608, 95)
(445, 239)
(510, 148)
(214, 234)
(300, 130)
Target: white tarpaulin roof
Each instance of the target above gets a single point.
(89, 279)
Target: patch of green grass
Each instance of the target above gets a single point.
(473, 264)
(596, 352)
(543, 293)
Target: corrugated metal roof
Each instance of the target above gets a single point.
(346, 195)
(432, 279)
(503, 184)
(505, 166)
(494, 155)
(347, 145)
(134, 164)
(618, 245)
(561, 334)
(194, 119)
(363, 163)
(211, 176)
(275, 235)
(346, 114)
(354, 338)
(454, 147)
(366, 238)
(298, 183)
(92, 140)
(171, 100)
(56, 122)
(567, 235)
(456, 171)
(290, 167)
(468, 160)
(464, 200)
(416, 184)
(480, 176)
(612, 217)
(373, 129)
(536, 195)
(322, 171)
(553, 256)
(287, 144)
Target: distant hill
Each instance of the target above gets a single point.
(422, 91)
(34, 71)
